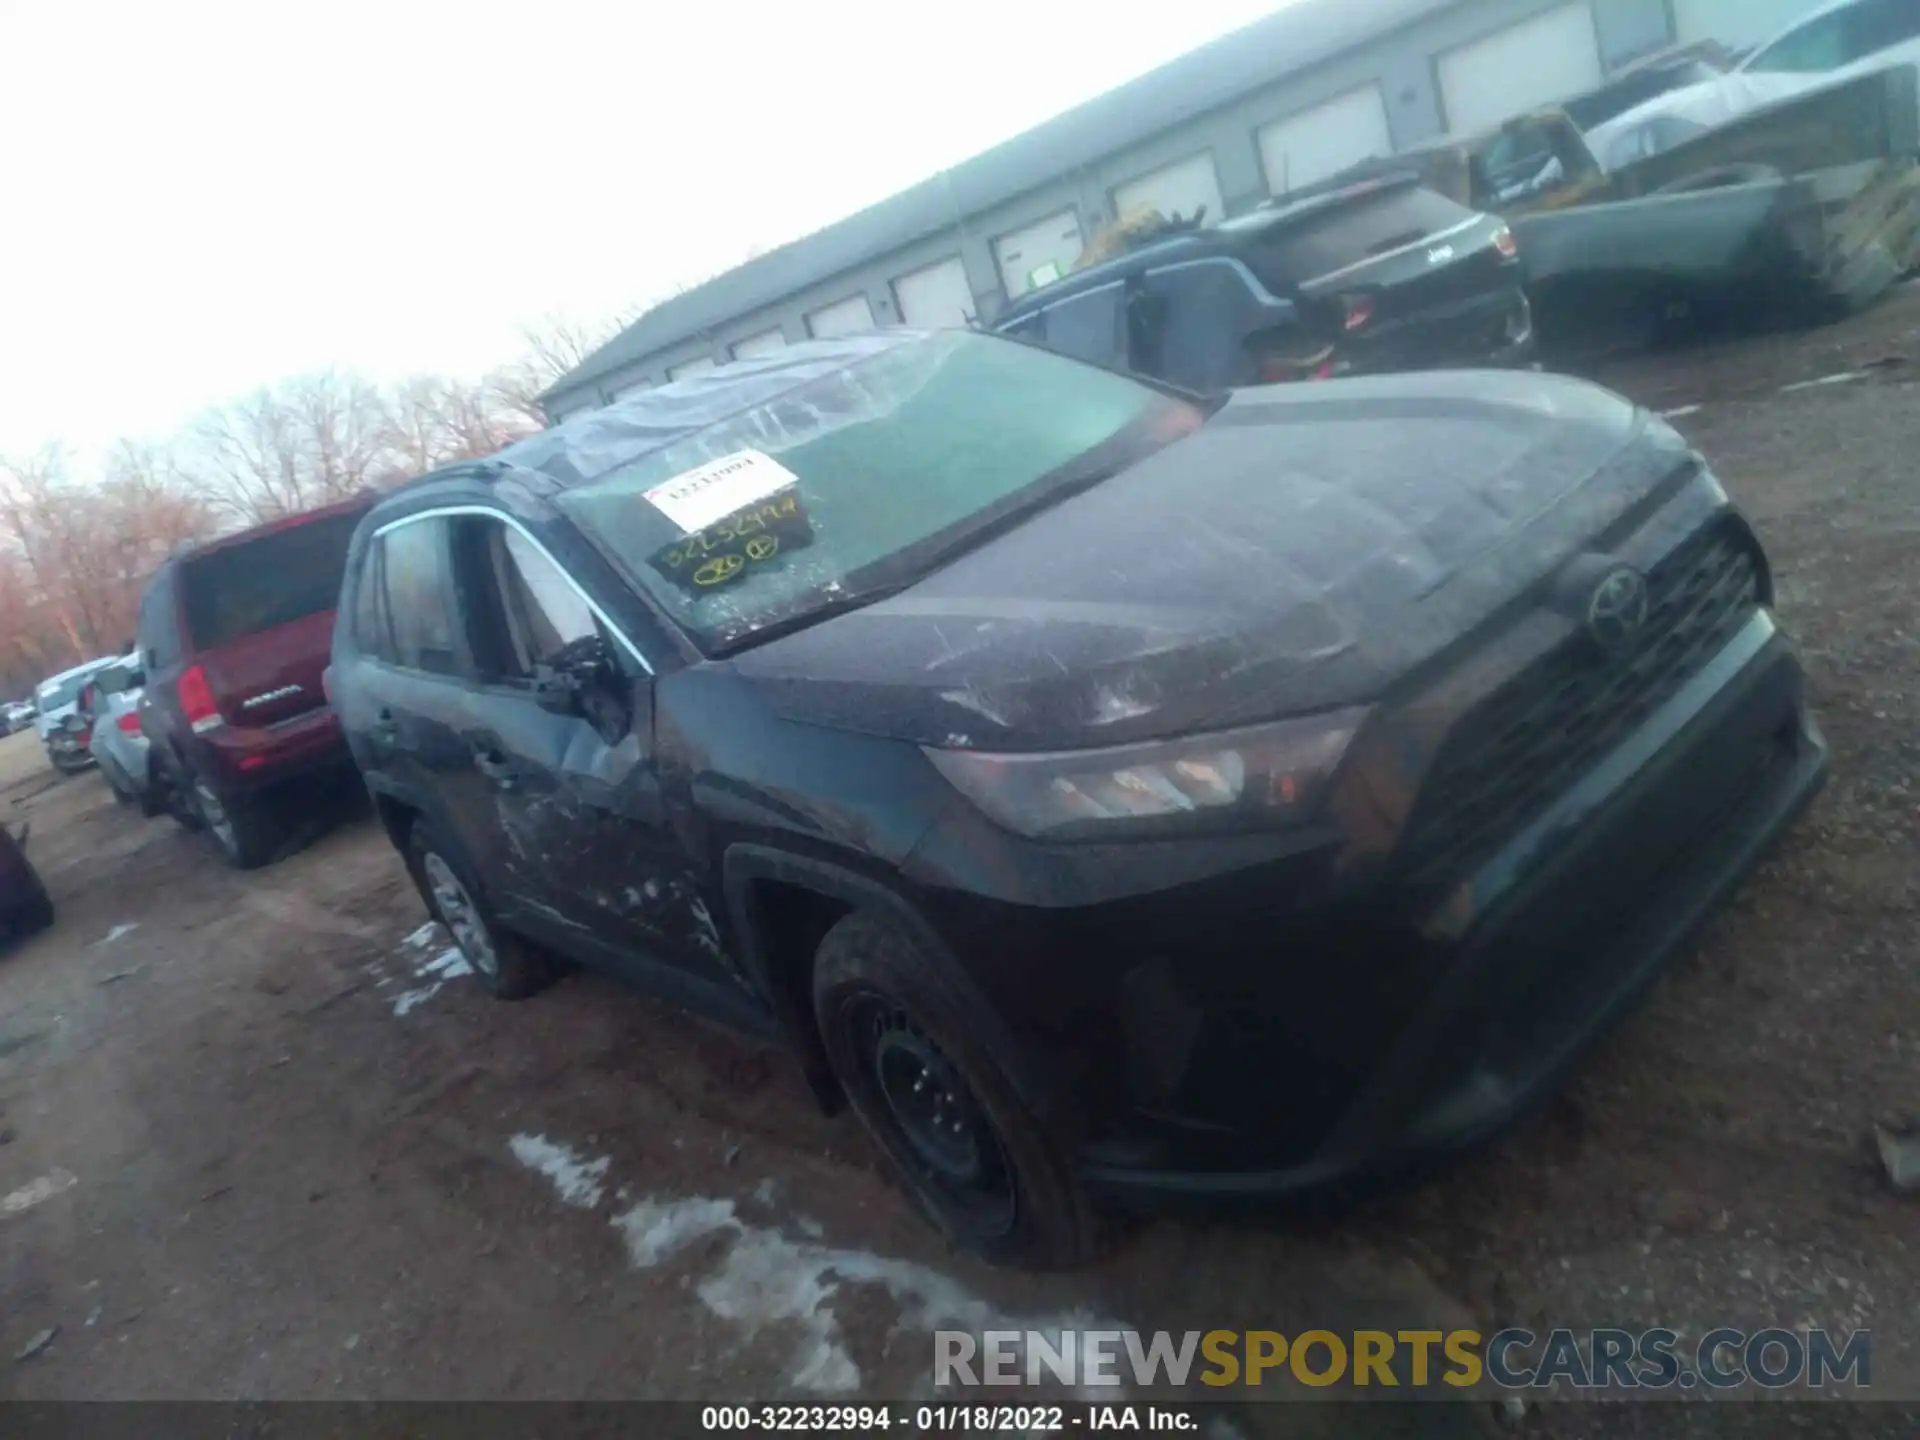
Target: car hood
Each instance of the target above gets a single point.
(1303, 550)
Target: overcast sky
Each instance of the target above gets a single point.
(202, 198)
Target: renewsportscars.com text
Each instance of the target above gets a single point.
(1604, 1359)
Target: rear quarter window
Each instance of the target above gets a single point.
(268, 581)
(1315, 245)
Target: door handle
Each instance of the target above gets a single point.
(385, 727)
(490, 762)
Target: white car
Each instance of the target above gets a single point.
(56, 697)
(1837, 42)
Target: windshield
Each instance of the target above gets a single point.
(270, 580)
(861, 480)
(1302, 250)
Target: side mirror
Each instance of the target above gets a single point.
(584, 681)
(556, 691)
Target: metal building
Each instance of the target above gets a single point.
(1292, 98)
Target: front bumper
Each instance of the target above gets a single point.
(1534, 959)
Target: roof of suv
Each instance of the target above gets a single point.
(359, 500)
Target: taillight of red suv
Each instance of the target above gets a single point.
(196, 700)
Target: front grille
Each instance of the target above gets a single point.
(1536, 735)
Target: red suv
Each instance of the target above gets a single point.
(235, 635)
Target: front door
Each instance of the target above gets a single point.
(587, 857)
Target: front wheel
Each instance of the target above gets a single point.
(961, 1139)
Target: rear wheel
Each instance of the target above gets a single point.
(117, 782)
(918, 1072)
(503, 962)
(245, 832)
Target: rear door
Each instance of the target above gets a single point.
(259, 616)
(407, 696)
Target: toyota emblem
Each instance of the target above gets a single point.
(1617, 608)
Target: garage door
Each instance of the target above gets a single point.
(936, 297)
(845, 317)
(1180, 189)
(1537, 62)
(1325, 140)
(1041, 252)
(691, 367)
(765, 343)
(1737, 22)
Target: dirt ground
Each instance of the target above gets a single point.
(259, 1139)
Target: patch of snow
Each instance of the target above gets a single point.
(657, 1230)
(579, 1181)
(1845, 377)
(449, 964)
(407, 1001)
(766, 1278)
(36, 1192)
(115, 933)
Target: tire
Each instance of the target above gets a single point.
(506, 965)
(152, 800)
(247, 833)
(35, 915)
(1002, 1187)
(117, 782)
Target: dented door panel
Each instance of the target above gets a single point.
(587, 856)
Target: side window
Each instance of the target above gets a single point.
(539, 613)
(371, 635)
(159, 638)
(1087, 327)
(419, 597)
(1824, 43)
(1198, 321)
(1885, 23)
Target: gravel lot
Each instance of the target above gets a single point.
(279, 1150)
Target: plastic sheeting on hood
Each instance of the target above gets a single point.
(590, 444)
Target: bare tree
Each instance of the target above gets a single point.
(555, 344)
(434, 421)
(311, 441)
(73, 556)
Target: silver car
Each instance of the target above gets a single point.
(58, 698)
(110, 707)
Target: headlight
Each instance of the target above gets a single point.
(1265, 775)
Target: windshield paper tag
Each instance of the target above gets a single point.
(724, 552)
(697, 498)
